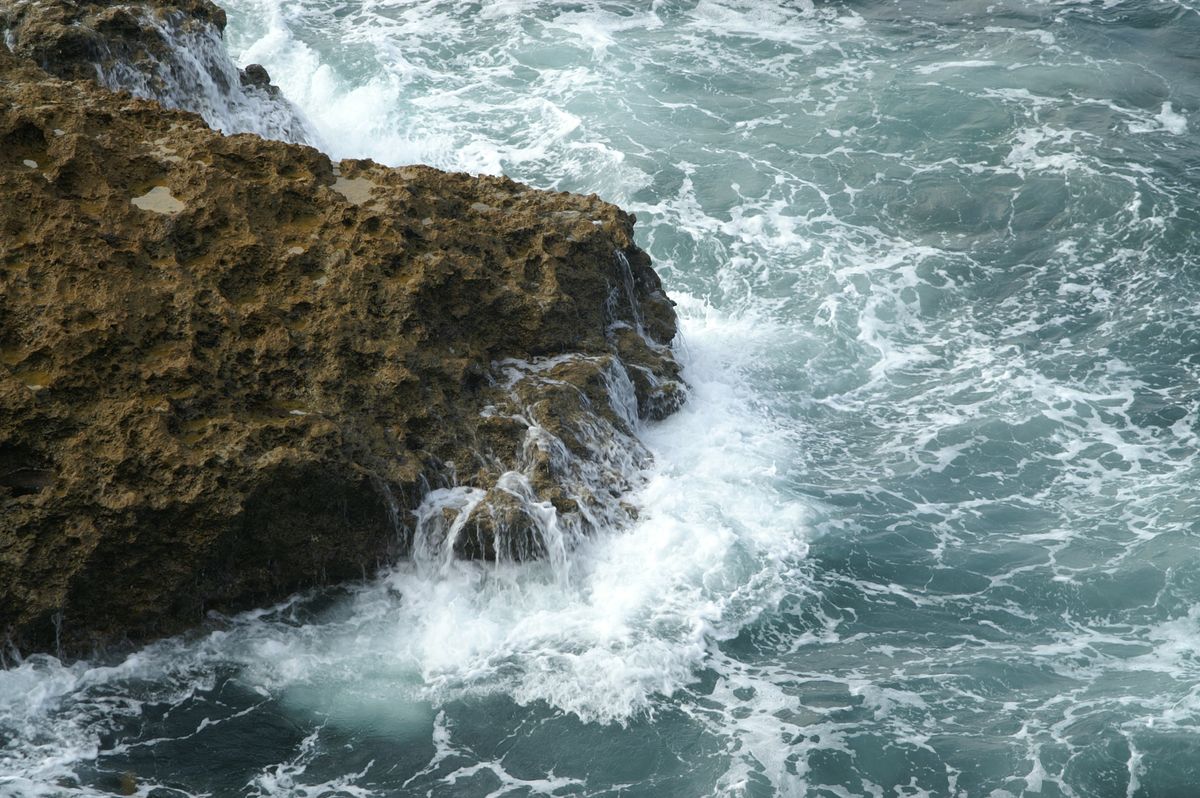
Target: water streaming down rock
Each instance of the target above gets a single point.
(943, 300)
(970, 228)
(313, 347)
(630, 294)
(572, 469)
(171, 52)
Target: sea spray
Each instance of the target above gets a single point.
(174, 54)
(629, 621)
(927, 525)
(194, 73)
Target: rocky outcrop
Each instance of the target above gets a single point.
(230, 368)
(167, 50)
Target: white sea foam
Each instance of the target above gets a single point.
(634, 621)
(929, 69)
(1167, 120)
(640, 608)
(930, 273)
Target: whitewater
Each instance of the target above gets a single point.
(928, 523)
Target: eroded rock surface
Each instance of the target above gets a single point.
(230, 368)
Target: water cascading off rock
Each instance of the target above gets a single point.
(230, 368)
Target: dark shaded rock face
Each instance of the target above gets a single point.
(230, 368)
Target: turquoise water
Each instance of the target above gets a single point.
(929, 524)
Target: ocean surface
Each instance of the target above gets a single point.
(930, 522)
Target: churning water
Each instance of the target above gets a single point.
(929, 524)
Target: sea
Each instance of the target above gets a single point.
(929, 523)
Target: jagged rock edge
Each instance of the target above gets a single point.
(566, 403)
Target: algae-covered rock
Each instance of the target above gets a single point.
(230, 368)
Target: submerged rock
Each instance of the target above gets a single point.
(230, 368)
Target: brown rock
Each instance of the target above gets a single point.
(230, 368)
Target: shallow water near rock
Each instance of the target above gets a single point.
(927, 525)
